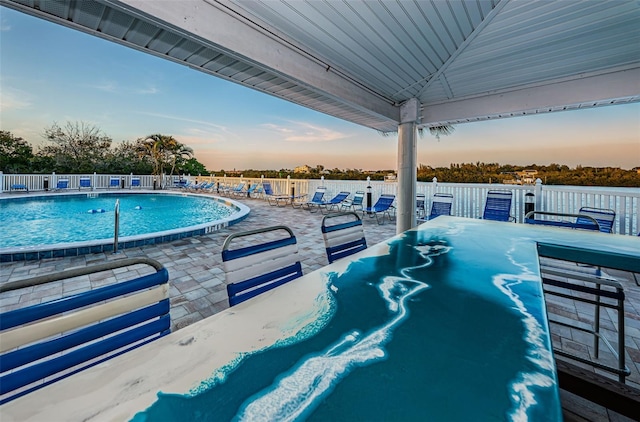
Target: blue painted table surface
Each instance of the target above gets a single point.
(443, 322)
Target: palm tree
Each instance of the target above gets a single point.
(164, 151)
(179, 155)
(438, 131)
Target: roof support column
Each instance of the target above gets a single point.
(407, 167)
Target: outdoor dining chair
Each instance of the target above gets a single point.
(565, 220)
(498, 206)
(343, 235)
(257, 261)
(603, 216)
(441, 205)
(420, 205)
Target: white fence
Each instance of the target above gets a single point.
(468, 197)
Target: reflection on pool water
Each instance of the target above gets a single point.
(34, 223)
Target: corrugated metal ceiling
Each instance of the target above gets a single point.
(434, 51)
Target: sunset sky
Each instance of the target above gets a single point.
(49, 73)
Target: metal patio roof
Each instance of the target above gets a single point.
(458, 61)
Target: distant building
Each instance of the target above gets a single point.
(528, 177)
(302, 169)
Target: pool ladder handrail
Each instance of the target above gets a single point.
(116, 225)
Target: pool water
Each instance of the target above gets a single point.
(77, 218)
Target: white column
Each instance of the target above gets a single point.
(407, 166)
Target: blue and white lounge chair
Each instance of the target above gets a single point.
(62, 184)
(135, 182)
(236, 190)
(204, 187)
(242, 189)
(497, 206)
(19, 187)
(195, 187)
(272, 197)
(343, 235)
(85, 183)
(270, 260)
(180, 183)
(114, 182)
(355, 203)
(317, 199)
(250, 190)
(383, 206)
(335, 202)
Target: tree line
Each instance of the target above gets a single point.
(83, 148)
(552, 174)
(78, 147)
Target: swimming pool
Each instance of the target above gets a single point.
(49, 226)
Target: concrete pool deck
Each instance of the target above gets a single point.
(197, 280)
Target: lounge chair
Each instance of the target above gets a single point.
(603, 216)
(241, 190)
(258, 192)
(205, 187)
(19, 187)
(195, 187)
(272, 197)
(235, 190)
(317, 199)
(343, 235)
(135, 182)
(335, 202)
(114, 182)
(269, 261)
(497, 206)
(383, 206)
(353, 204)
(85, 183)
(180, 183)
(62, 184)
(251, 190)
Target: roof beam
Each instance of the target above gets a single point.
(215, 24)
(624, 83)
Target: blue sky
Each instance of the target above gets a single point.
(49, 73)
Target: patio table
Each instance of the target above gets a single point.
(443, 322)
